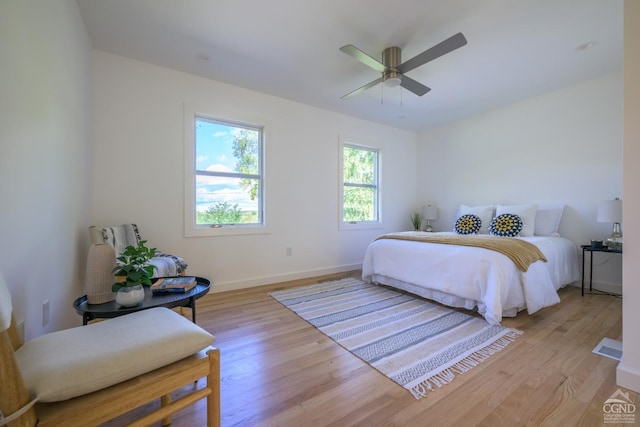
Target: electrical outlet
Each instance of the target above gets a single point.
(45, 313)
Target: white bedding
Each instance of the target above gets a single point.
(462, 276)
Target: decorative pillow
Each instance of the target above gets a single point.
(506, 225)
(527, 214)
(468, 224)
(548, 220)
(485, 213)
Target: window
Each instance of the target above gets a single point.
(225, 176)
(360, 184)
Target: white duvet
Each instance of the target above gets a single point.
(469, 277)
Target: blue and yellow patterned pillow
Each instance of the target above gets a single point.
(506, 225)
(468, 224)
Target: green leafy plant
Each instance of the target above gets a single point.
(416, 220)
(133, 268)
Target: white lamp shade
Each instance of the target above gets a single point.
(430, 212)
(610, 211)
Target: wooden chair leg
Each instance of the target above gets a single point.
(165, 401)
(213, 382)
(14, 334)
(13, 392)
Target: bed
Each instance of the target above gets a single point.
(474, 277)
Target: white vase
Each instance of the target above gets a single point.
(130, 296)
(99, 278)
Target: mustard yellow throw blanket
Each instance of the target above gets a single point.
(521, 252)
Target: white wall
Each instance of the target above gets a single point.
(138, 114)
(560, 147)
(45, 61)
(628, 374)
(47, 181)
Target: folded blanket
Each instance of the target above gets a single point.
(167, 265)
(522, 253)
(128, 235)
(121, 236)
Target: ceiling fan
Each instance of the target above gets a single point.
(393, 71)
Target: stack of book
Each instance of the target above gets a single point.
(173, 284)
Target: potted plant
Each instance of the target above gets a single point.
(416, 221)
(131, 273)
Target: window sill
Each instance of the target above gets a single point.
(348, 226)
(225, 231)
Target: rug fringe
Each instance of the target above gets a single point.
(446, 376)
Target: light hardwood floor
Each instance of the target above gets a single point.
(277, 370)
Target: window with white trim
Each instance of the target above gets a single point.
(225, 176)
(359, 184)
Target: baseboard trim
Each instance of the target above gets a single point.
(627, 378)
(261, 281)
(611, 288)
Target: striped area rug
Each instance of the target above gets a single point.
(413, 342)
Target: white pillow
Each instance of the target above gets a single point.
(69, 363)
(548, 220)
(527, 214)
(485, 213)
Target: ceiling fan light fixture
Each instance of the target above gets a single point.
(392, 81)
(391, 78)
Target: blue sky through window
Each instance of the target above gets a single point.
(214, 152)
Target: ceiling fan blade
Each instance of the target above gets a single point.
(353, 51)
(413, 86)
(442, 48)
(363, 88)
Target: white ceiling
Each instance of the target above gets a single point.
(290, 48)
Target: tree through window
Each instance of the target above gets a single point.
(228, 173)
(360, 184)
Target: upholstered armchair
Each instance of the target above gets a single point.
(128, 234)
(88, 375)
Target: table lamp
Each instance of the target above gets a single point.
(429, 213)
(611, 211)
